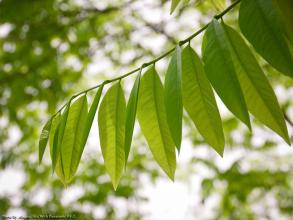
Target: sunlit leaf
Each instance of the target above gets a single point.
(58, 136)
(152, 119)
(53, 137)
(199, 100)
(111, 120)
(173, 96)
(259, 96)
(130, 115)
(44, 139)
(221, 71)
(71, 142)
(259, 23)
(88, 124)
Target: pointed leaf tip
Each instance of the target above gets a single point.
(152, 119)
(199, 100)
(221, 72)
(111, 121)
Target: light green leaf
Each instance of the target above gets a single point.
(130, 115)
(152, 119)
(221, 71)
(44, 139)
(111, 120)
(258, 93)
(259, 23)
(88, 124)
(53, 137)
(173, 96)
(199, 100)
(285, 8)
(72, 138)
(58, 136)
(174, 4)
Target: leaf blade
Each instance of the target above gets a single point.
(71, 141)
(131, 114)
(53, 137)
(221, 72)
(264, 33)
(111, 120)
(86, 131)
(59, 136)
(44, 139)
(173, 97)
(258, 93)
(199, 100)
(286, 12)
(152, 119)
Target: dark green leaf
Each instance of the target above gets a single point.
(286, 12)
(152, 119)
(258, 93)
(173, 97)
(221, 71)
(44, 139)
(259, 23)
(199, 100)
(130, 115)
(111, 120)
(72, 139)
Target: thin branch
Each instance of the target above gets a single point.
(188, 39)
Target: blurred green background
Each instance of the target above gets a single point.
(51, 49)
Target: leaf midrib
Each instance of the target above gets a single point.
(116, 129)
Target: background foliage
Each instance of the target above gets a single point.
(52, 49)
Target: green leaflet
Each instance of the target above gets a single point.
(199, 100)
(53, 137)
(174, 4)
(72, 138)
(259, 23)
(173, 96)
(221, 71)
(152, 119)
(286, 12)
(131, 114)
(44, 139)
(111, 120)
(88, 124)
(58, 136)
(259, 95)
